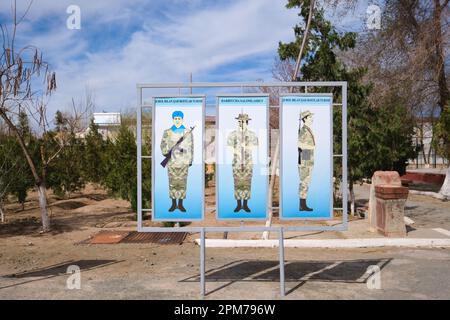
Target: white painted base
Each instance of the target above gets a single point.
(329, 243)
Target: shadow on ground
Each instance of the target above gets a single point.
(31, 226)
(56, 270)
(341, 271)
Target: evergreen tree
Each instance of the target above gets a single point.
(93, 157)
(442, 133)
(372, 130)
(23, 181)
(65, 172)
(15, 176)
(442, 144)
(120, 165)
(319, 58)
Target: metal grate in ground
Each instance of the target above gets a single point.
(109, 237)
(155, 237)
(115, 237)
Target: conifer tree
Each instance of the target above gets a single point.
(65, 172)
(93, 157)
(120, 165)
(372, 130)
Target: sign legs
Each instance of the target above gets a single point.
(281, 254)
(202, 263)
(203, 258)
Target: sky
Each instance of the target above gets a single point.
(125, 42)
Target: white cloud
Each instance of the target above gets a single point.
(164, 50)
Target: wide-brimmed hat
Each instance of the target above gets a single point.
(305, 114)
(243, 117)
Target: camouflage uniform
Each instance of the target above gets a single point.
(242, 141)
(307, 144)
(180, 161)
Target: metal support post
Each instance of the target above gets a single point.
(202, 263)
(281, 253)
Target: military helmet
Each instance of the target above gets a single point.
(305, 114)
(243, 117)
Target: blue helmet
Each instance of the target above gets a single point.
(177, 114)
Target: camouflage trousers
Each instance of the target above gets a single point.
(242, 182)
(305, 173)
(177, 181)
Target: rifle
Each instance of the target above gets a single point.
(168, 155)
(299, 160)
(300, 155)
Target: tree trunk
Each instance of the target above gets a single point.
(266, 234)
(2, 214)
(352, 198)
(40, 182)
(444, 92)
(305, 36)
(43, 206)
(445, 189)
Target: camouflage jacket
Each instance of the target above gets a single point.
(306, 138)
(184, 153)
(242, 142)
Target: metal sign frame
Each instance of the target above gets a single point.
(202, 230)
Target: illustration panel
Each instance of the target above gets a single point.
(306, 156)
(242, 157)
(178, 171)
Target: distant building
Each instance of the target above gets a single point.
(422, 139)
(108, 124)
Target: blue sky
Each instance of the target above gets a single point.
(124, 42)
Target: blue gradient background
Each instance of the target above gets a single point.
(319, 193)
(225, 184)
(193, 115)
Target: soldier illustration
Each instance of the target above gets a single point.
(177, 146)
(306, 146)
(242, 141)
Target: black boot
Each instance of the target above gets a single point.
(180, 205)
(245, 207)
(303, 206)
(238, 206)
(174, 205)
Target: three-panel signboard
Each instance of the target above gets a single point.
(242, 157)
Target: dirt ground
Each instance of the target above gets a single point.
(34, 265)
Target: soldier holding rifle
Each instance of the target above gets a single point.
(177, 146)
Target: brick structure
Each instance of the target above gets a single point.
(380, 178)
(390, 204)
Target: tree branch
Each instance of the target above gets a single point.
(305, 36)
(13, 128)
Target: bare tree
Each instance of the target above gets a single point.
(19, 69)
(407, 58)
